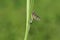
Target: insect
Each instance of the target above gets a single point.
(34, 17)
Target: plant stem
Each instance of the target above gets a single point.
(27, 21)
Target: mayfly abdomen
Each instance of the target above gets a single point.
(35, 17)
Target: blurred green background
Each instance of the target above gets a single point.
(12, 19)
(48, 28)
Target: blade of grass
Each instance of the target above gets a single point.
(27, 21)
(30, 4)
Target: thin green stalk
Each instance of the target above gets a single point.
(27, 21)
(30, 4)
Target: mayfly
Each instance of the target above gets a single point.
(34, 17)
